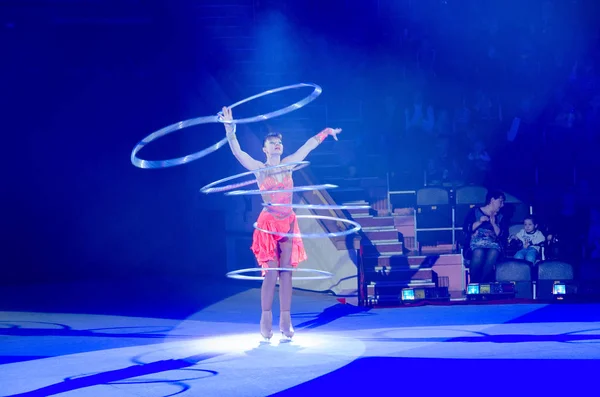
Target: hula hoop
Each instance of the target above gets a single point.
(292, 190)
(210, 189)
(319, 206)
(238, 274)
(356, 228)
(262, 117)
(141, 163)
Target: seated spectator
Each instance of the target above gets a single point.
(484, 228)
(441, 167)
(531, 240)
(420, 119)
(479, 163)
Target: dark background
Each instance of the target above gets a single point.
(83, 81)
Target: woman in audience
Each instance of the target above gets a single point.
(484, 228)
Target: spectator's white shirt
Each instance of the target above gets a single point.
(534, 238)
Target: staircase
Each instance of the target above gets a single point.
(386, 267)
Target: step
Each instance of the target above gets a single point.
(422, 261)
(362, 215)
(381, 241)
(390, 273)
(395, 248)
(341, 195)
(356, 202)
(357, 212)
(376, 222)
(362, 212)
(397, 266)
(387, 259)
(384, 233)
(439, 249)
(375, 256)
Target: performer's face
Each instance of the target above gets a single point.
(273, 146)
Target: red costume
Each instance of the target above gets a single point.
(277, 219)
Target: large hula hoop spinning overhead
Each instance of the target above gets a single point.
(141, 163)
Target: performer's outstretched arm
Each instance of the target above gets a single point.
(311, 144)
(244, 158)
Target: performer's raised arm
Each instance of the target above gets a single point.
(311, 144)
(244, 158)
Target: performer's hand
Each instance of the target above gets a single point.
(227, 116)
(484, 219)
(333, 132)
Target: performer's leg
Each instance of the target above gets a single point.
(267, 292)
(285, 278)
(285, 288)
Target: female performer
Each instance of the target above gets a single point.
(270, 250)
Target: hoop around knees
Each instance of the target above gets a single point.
(240, 274)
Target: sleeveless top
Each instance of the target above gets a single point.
(276, 180)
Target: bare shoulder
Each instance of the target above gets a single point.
(259, 169)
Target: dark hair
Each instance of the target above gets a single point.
(494, 194)
(533, 219)
(272, 135)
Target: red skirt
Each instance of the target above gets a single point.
(264, 245)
